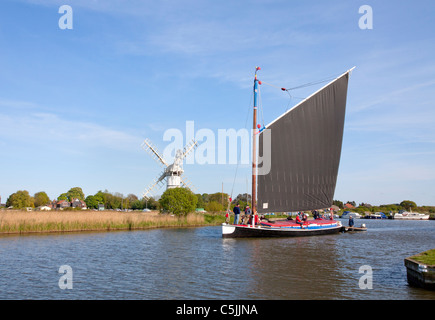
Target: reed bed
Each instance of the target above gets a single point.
(70, 221)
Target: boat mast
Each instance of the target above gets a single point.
(254, 146)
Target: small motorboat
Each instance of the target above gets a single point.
(347, 214)
(376, 215)
(350, 229)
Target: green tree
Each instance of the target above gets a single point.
(242, 198)
(408, 204)
(200, 203)
(63, 196)
(101, 196)
(217, 197)
(338, 203)
(205, 197)
(92, 202)
(137, 205)
(41, 198)
(151, 203)
(141, 204)
(129, 200)
(389, 207)
(75, 193)
(20, 199)
(112, 201)
(214, 206)
(179, 201)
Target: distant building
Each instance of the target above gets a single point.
(76, 203)
(335, 208)
(62, 204)
(44, 208)
(52, 205)
(349, 206)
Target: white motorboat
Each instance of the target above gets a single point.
(405, 215)
(347, 214)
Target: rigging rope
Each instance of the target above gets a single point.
(304, 85)
(260, 106)
(300, 87)
(237, 165)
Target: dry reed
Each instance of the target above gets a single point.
(66, 221)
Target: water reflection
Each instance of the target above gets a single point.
(294, 268)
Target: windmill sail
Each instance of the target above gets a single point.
(305, 153)
(172, 172)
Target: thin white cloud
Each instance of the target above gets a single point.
(392, 122)
(54, 130)
(389, 96)
(17, 104)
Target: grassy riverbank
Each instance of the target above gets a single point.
(14, 221)
(427, 257)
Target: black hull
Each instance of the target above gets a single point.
(250, 232)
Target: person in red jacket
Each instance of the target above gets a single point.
(299, 221)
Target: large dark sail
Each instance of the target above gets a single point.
(305, 148)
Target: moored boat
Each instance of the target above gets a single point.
(376, 215)
(352, 229)
(347, 214)
(405, 215)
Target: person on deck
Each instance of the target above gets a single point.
(351, 222)
(246, 217)
(236, 211)
(255, 218)
(299, 221)
(247, 211)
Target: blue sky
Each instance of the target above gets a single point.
(75, 105)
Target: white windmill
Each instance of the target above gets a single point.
(172, 172)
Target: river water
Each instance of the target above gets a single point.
(196, 263)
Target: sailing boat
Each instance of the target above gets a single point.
(300, 154)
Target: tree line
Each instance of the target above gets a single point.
(22, 199)
(115, 200)
(394, 207)
(179, 201)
